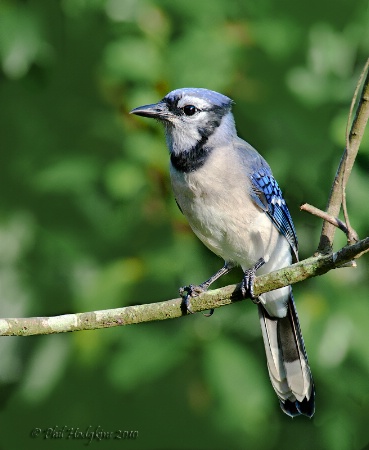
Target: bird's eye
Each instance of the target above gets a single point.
(189, 110)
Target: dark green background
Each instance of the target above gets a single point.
(88, 221)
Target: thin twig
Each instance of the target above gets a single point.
(334, 221)
(171, 309)
(325, 216)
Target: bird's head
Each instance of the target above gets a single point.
(191, 116)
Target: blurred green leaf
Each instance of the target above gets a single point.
(46, 368)
(112, 282)
(279, 38)
(134, 59)
(68, 175)
(21, 41)
(240, 387)
(144, 358)
(125, 180)
(202, 64)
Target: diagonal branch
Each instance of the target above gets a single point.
(351, 234)
(325, 216)
(337, 194)
(171, 309)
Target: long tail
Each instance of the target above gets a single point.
(288, 365)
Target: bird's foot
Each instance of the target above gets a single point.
(247, 287)
(191, 291)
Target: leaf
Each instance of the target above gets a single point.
(145, 354)
(240, 385)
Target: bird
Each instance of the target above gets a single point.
(234, 205)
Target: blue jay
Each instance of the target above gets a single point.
(227, 191)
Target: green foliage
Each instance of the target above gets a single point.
(88, 221)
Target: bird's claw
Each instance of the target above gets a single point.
(188, 292)
(247, 287)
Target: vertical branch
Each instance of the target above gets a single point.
(337, 194)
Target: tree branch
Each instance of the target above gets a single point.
(337, 194)
(171, 309)
(325, 216)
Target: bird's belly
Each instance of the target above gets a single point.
(242, 236)
(233, 227)
(223, 231)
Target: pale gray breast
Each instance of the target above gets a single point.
(215, 199)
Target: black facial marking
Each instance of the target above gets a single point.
(192, 159)
(172, 105)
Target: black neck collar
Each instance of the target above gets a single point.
(192, 159)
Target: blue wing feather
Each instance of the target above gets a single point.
(268, 196)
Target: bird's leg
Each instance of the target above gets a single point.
(247, 287)
(186, 292)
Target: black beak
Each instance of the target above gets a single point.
(155, 111)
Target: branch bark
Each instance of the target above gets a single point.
(325, 216)
(171, 309)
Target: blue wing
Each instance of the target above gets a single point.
(267, 195)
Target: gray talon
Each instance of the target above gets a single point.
(247, 287)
